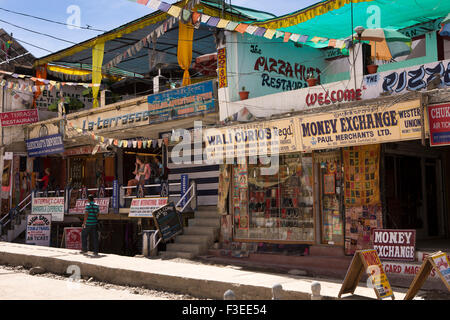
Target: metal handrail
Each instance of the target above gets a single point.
(184, 196)
(8, 217)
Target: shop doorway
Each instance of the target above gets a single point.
(413, 193)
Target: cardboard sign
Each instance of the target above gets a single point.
(394, 244)
(168, 221)
(53, 206)
(439, 263)
(39, 229)
(439, 118)
(80, 206)
(144, 208)
(72, 238)
(368, 261)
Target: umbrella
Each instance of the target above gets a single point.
(445, 30)
(386, 43)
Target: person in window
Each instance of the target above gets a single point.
(138, 172)
(45, 180)
(147, 171)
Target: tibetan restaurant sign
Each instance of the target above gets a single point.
(53, 206)
(80, 205)
(17, 118)
(361, 126)
(143, 208)
(393, 244)
(182, 102)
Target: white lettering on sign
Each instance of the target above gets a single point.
(394, 244)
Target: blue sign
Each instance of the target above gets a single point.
(182, 102)
(115, 196)
(184, 188)
(45, 145)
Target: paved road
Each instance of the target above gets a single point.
(19, 285)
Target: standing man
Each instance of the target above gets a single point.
(90, 225)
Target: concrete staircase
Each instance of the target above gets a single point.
(198, 237)
(19, 225)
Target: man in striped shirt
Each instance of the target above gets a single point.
(90, 225)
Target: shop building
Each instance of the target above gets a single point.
(361, 157)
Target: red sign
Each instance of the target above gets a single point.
(327, 97)
(73, 238)
(79, 151)
(393, 244)
(80, 205)
(439, 118)
(17, 118)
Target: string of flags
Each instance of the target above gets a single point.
(47, 84)
(195, 18)
(128, 143)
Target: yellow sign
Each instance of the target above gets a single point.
(254, 139)
(361, 126)
(222, 66)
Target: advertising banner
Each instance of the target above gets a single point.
(80, 205)
(222, 66)
(53, 206)
(72, 238)
(361, 126)
(182, 102)
(39, 147)
(143, 208)
(439, 121)
(17, 118)
(39, 229)
(394, 244)
(376, 273)
(252, 139)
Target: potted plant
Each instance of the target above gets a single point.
(243, 94)
(371, 66)
(311, 79)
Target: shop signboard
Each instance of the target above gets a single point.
(53, 206)
(144, 208)
(43, 146)
(369, 262)
(72, 238)
(78, 151)
(222, 67)
(115, 196)
(361, 126)
(182, 102)
(439, 122)
(17, 118)
(184, 188)
(437, 262)
(168, 221)
(402, 80)
(80, 206)
(252, 139)
(39, 229)
(395, 244)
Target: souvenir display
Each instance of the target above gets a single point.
(275, 207)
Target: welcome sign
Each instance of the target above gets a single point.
(361, 126)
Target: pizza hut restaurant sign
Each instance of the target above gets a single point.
(394, 244)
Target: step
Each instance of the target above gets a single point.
(195, 248)
(207, 208)
(195, 230)
(206, 222)
(176, 254)
(206, 214)
(184, 238)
